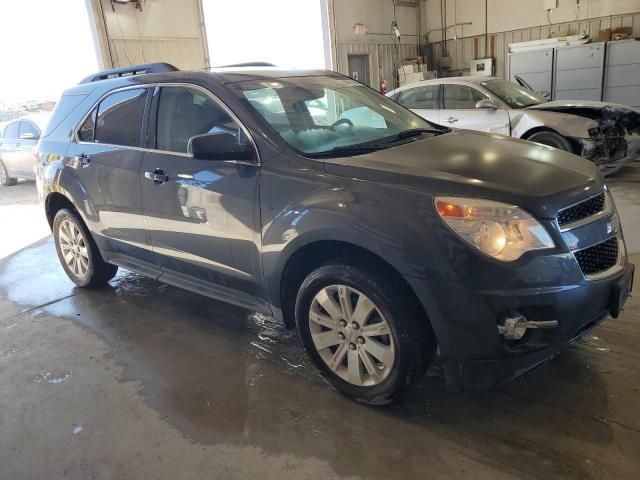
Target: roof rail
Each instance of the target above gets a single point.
(248, 64)
(128, 71)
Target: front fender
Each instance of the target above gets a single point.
(297, 212)
(573, 126)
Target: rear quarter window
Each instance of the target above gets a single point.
(64, 107)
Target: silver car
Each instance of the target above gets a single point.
(17, 141)
(605, 133)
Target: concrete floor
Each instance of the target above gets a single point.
(141, 380)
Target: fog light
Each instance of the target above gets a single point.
(513, 328)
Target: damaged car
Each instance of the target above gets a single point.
(607, 134)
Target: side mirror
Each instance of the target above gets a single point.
(220, 146)
(486, 105)
(28, 136)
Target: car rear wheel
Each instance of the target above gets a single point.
(363, 332)
(551, 139)
(78, 252)
(5, 179)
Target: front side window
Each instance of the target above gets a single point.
(185, 112)
(322, 114)
(119, 118)
(85, 132)
(420, 97)
(461, 97)
(12, 130)
(513, 95)
(29, 128)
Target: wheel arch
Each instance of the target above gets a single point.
(306, 258)
(532, 131)
(56, 201)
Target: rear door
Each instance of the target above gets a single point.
(203, 215)
(460, 110)
(106, 159)
(422, 100)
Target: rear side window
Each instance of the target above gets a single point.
(119, 118)
(184, 113)
(12, 130)
(419, 97)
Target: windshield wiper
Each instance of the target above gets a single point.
(414, 132)
(347, 150)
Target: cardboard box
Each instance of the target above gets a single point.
(604, 35)
(405, 69)
(410, 78)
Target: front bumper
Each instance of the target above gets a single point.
(475, 356)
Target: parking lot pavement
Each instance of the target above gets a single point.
(142, 380)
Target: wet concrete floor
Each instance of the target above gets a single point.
(142, 380)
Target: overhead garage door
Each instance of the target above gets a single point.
(622, 73)
(578, 72)
(536, 68)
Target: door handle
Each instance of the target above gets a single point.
(158, 176)
(452, 119)
(83, 159)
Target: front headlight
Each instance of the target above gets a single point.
(502, 231)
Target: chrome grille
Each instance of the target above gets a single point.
(598, 258)
(585, 209)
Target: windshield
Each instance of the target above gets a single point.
(321, 114)
(513, 95)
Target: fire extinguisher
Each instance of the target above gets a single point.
(383, 87)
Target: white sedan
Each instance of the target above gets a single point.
(605, 133)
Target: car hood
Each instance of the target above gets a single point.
(573, 103)
(539, 178)
(613, 113)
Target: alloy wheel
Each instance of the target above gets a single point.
(351, 335)
(73, 246)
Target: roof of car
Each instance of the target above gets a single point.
(437, 81)
(220, 75)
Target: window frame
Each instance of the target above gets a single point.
(151, 128)
(437, 100)
(472, 87)
(149, 119)
(33, 125)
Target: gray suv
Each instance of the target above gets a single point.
(305, 195)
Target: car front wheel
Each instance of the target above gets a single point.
(551, 139)
(363, 332)
(78, 252)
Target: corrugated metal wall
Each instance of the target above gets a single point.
(381, 59)
(464, 50)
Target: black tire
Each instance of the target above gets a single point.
(98, 272)
(414, 342)
(552, 139)
(5, 179)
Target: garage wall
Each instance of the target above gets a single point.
(512, 21)
(163, 31)
(377, 43)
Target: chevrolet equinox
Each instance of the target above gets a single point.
(386, 241)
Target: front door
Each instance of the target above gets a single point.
(202, 215)
(460, 111)
(107, 159)
(29, 136)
